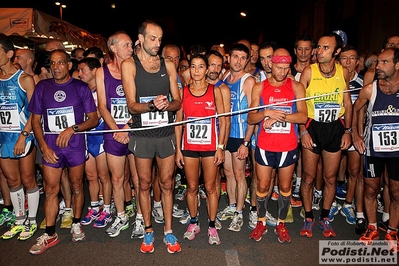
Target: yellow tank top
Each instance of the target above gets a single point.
(326, 103)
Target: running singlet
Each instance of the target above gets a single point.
(326, 95)
(199, 135)
(239, 102)
(116, 101)
(382, 126)
(281, 136)
(354, 86)
(148, 87)
(62, 106)
(13, 109)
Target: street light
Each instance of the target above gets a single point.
(61, 7)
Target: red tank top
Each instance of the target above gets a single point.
(199, 134)
(282, 136)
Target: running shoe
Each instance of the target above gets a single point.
(390, 238)
(341, 192)
(290, 216)
(275, 195)
(77, 232)
(5, 216)
(360, 226)
(44, 242)
(103, 220)
(370, 235)
(295, 203)
(252, 219)
(177, 213)
(302, 213)
(236, 223)
(218, 224)
(157, 213)
(316, 200)
(223, 188)
(349, 212)
(14, 230)
(270, 220)
(202, 192)
(129, 211)
(181, 192)
(12, 220)
(185, 219)
(307, 228)
(258, 232)
(282, 233)
(213, 236)
(324, 225)
(29, 230)
(118, 225)
(335, 208)
(172, 243)
(92, 215)
(138, 229)
(226, 213)
(383, 226)
(296, 193)
(177, 180)
(43, 223)
(66, 220)
(148, 243)
(191, 231)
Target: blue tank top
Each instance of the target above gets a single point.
(239, 102)
(13, 108)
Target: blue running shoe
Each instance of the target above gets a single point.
(335, 208)
(148, 243)
(172, 243)
(349, 213)
(341, 192)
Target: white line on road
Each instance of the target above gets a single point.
(232, 257)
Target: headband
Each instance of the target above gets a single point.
(281, 59)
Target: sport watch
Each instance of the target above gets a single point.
(245, 143)
(151, 105)
(25, 133)
(75, 128)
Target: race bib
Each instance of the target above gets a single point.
(119, 111)
(326, 112)
(153, 118)
(59, 119)
(385, 137)
(199, 131)
(281, 127)
(9, 117)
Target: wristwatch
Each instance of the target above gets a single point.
(75, 128)
(25, 133)
(349, 129)
(245, 143)
(151, 105)
(221, 146)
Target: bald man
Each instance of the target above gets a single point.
(277, 145)
(54, 45)
(25, 59)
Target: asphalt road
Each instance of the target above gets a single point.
(236, 248)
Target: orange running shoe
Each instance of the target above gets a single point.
(258, 231)
(370, 235)
(282, 233)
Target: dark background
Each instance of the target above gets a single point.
(366, 22)
(183, 23)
